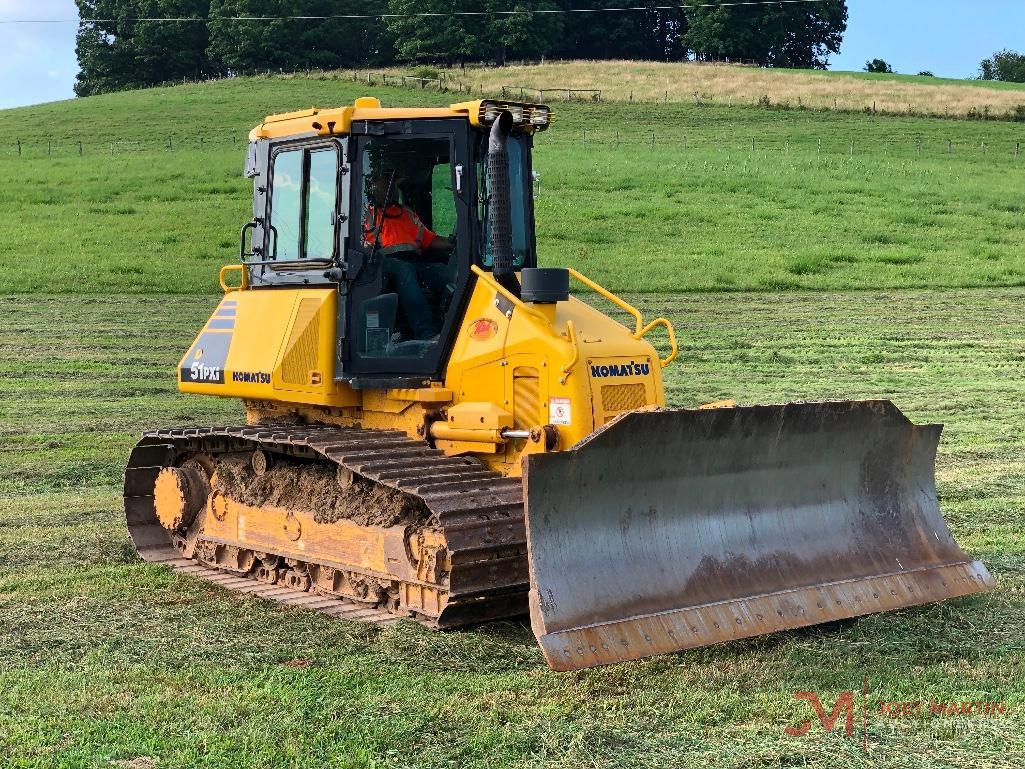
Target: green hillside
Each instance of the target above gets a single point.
(109, 252)
(674, 197)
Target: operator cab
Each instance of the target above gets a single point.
(394, 212)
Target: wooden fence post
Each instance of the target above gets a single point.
(19, 147)
(80, 149)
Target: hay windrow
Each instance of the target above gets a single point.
(313, 488)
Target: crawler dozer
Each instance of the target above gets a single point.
(436, 429)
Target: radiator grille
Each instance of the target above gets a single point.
(300, 358)
(622, 397)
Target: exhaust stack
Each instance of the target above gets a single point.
(500, 205)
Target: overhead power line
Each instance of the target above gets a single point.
(425, 14)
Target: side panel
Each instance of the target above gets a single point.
(274, 345)
(566, 365)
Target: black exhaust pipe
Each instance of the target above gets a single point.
(500, 204)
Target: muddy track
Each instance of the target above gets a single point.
(480, 511)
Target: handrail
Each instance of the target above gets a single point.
(571, 337)
(672, 339)
(241, 268)
(509, 294)
(620, 303)
(640, 330)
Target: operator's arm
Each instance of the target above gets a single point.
(440, 246)
(434, 246)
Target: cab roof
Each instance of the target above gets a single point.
(337, 121)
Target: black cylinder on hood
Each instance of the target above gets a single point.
(500, 209)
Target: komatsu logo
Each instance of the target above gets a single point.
(621, 369)
(254, 377)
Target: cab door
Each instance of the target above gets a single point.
(403, 304)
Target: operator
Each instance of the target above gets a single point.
(396, 229)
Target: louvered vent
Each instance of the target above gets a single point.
(300, 358)
(526, 397)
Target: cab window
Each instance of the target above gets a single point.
(519, 189)
(407, 228)
(303, 203)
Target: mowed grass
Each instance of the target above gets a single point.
(671, 197)
(112, 662)
(109, 264)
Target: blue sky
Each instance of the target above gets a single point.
(948, 37)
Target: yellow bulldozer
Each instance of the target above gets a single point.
(437, 430)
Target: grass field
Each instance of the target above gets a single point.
(701, 210)
(109, 265)
(107, 659)
(736, 85)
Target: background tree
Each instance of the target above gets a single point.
(444, 39)
(241, 46)
(654, 33)
(796, 35)
(125, 53)
(1004, 65)
(526, 35)
(878, 65)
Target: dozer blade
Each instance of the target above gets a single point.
(674, 529)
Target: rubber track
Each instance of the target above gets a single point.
(479, 510)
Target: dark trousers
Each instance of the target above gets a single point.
(405, 279)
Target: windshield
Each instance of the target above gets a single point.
(519, 183)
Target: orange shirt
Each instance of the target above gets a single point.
(396, 226)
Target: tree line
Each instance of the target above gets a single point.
(119, 48)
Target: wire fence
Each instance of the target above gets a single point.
(667, 143)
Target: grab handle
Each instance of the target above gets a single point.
(241, 269)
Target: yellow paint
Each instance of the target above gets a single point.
(559, 351)
(338, 121)
(264, 355)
